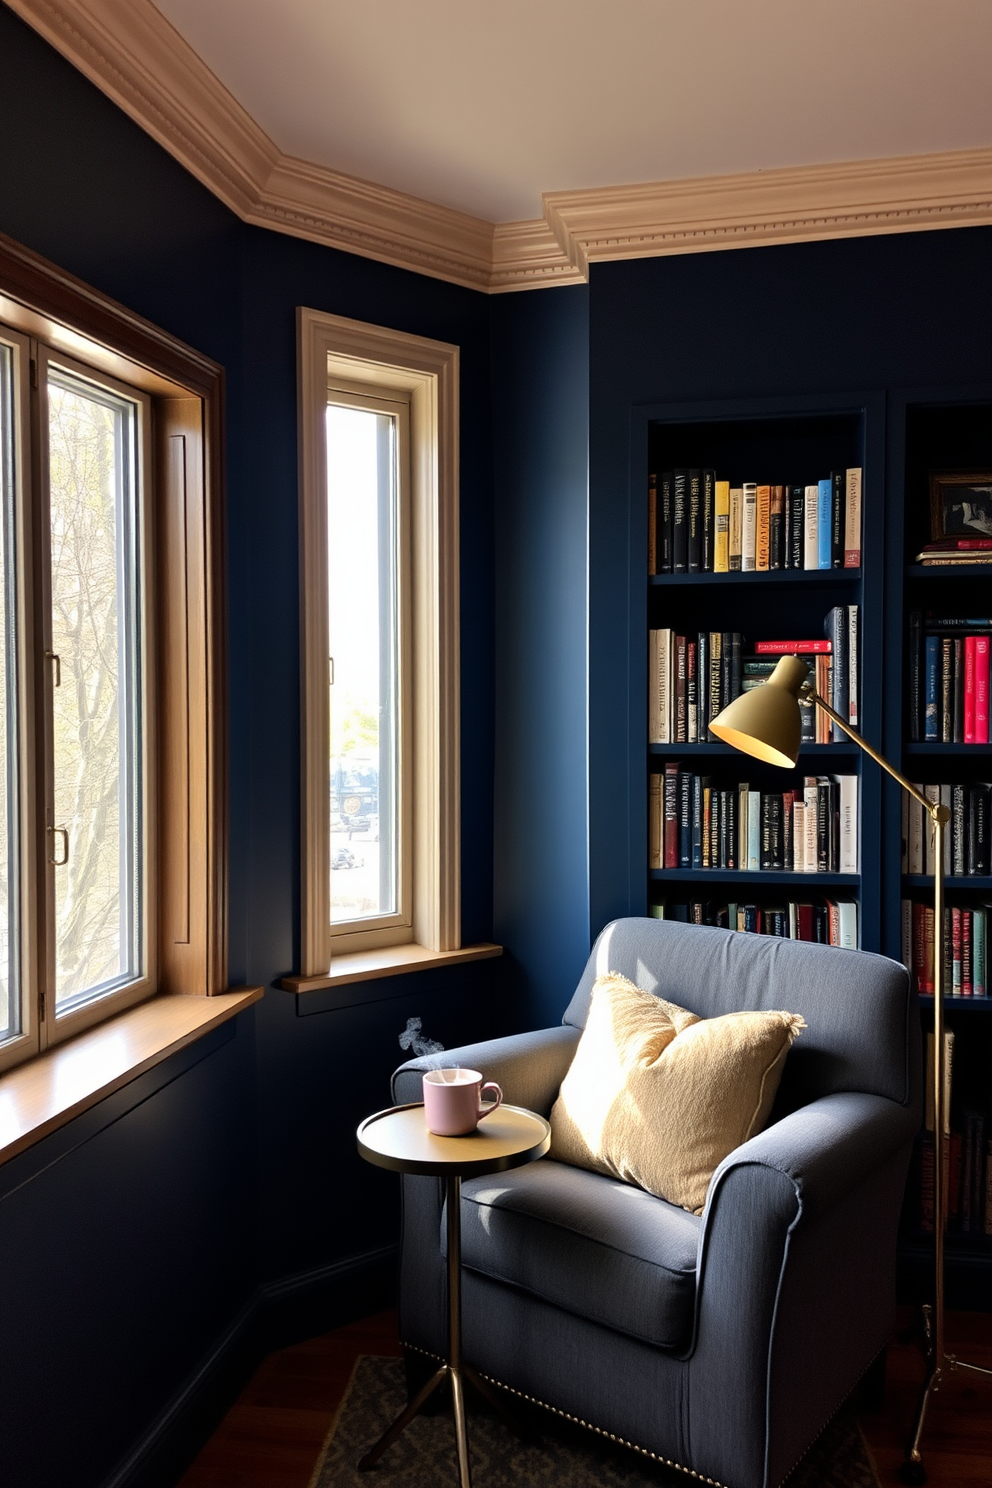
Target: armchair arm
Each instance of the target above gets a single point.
(528, 1067)
(825, 1148)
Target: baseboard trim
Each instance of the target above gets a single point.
(280, 1313)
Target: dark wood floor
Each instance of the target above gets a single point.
(272, 1436)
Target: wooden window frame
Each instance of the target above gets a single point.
(188, 806)
(333, 350)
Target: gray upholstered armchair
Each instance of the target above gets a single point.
(721, 1343)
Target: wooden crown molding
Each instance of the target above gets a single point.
(857, 198)
(138, 59)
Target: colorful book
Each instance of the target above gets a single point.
(852, 519)
(721, 527)
(824, 524)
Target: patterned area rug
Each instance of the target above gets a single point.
(562, 1456)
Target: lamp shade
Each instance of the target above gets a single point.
(766, 723)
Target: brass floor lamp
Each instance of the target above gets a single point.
(766, 723)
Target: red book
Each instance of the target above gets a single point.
(791, 648)
(804, 914)
(981, 689)
(956, 951)
(671, 810)
(967, 987)
(969, 689)
(923, 947)
(958, 545)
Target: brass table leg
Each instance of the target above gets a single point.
(453, 1369)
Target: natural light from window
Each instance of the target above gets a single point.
(362, 527)
(94, 838)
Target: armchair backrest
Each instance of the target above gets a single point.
(862, 1029)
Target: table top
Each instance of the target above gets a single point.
(398, 1138)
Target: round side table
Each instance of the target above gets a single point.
(399, 1139)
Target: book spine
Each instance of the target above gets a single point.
(958, 829)
(655, 821)
(798, 834)
(914, 691)
(753, 860)
(981, 689)
(685, 818)
(726, 667)
(958, 730)
(969, 689)
(931, 688)
(852, 520)
(762, 534)
(809, 824)
(681, 724)
(776, 528)
(671, 807)
(980, 951)
(955, 918)
(946, 689)
(697, 820)
(797, 521)
(848, 786)
(691, 693)
(694, 502)
(982, 849)
(665, 522)
(749, 526)
(709, 519)
(702, 686)
(716, 673)
(730, 828)
(721, 527)
(734, 528)
(810, 528)
(835, 628)
(824, 523)
(652, 524)
(838, 502)
(822, 826)
(853, 626)
(680, 521)
(792, 648)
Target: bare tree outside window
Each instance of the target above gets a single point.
(92, 506)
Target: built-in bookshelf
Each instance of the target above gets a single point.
(902, 592)
(756, 545)
(939, 664)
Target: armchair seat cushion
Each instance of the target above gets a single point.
(594, 1246)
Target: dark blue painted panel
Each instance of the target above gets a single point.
(540, 423)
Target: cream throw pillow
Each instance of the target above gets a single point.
(659, 1097)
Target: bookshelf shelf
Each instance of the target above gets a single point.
(799, 577)
(935, 750)
(768, 877)
(815, 750)
(953, 883)
(956, 1004)
(953, 571)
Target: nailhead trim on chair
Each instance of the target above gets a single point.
(578, 1421)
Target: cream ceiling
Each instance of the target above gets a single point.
(510, 144)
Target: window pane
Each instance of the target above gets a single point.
(10, 1001)
(93, 496)
(362, 523)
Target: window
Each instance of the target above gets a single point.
(379, 544)
(111, 862)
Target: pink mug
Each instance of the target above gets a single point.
(453, 1101)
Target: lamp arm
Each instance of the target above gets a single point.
(933, 809)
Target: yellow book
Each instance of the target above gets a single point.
(721, 538)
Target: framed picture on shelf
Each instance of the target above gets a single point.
(960, 504)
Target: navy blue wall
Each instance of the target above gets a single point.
(541, 462)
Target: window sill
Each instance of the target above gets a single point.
(368, 966)
(48, 1092)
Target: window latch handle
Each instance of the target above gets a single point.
(54, 656)
(62, 832)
